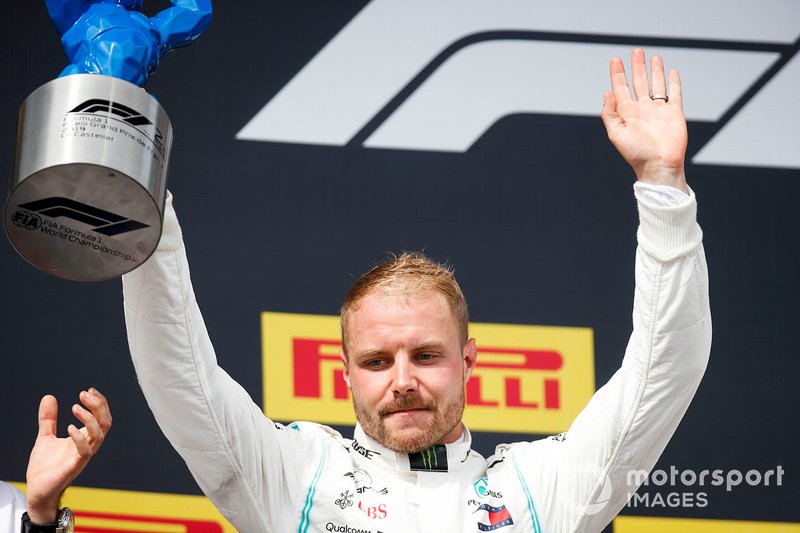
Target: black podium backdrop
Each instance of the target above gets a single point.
(535, 210)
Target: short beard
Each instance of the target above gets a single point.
(411, 440)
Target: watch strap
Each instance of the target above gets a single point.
(65, 523)
(30, 527)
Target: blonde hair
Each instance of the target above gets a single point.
(408, 274)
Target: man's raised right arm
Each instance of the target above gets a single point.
(244, 463)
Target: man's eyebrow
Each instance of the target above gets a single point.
(430, 345)
(370, 352)
(427, 345)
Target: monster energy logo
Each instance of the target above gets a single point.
(433, 459)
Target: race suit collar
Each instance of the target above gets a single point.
(437, 458)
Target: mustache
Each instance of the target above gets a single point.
(409, 401)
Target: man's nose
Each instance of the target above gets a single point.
(404, 376)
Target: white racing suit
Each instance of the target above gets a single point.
(304, 478)
(12, 505)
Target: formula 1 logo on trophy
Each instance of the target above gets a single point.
(88, 188)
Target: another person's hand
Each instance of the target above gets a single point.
(650, 130)
(56, 462)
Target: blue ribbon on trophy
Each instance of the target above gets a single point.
(87, 192)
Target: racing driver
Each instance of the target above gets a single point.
(407, 357)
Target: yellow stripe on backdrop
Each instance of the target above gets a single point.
(148, 512)
(101, 510)
(641, 524)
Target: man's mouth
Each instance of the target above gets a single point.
(407, 405)
(401, 411)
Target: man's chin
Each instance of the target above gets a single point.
(410, 430)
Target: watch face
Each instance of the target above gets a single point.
(66, 521)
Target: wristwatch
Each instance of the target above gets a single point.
(65, 523)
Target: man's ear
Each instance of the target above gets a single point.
(470, 358)
(346, 365)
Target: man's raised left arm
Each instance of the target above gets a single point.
(582, 479)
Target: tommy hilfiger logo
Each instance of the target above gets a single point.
(102, 221)
(497, 517)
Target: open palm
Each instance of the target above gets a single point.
(55, 462)
(650, 130)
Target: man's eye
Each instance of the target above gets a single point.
(375, 363)
(425, 357)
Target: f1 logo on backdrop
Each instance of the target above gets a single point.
(437, 74)
(529, 379)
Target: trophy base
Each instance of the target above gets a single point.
(88, 189)
(66, 221)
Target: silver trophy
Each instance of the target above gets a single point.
(87, 193)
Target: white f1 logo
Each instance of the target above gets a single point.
(436, 74)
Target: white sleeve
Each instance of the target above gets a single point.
(12, 505)
(252, 469)
(580, 479)
(661, 195)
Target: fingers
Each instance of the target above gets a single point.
(641, 85)
(48, 416)
(81, 442)
(96, 422)
(675, 91)
(93, 430)
(659, 86)
(619, 82)
(98, 405)
(611, 119)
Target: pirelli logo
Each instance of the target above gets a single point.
(529, 379)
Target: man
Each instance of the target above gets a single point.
(407, 356)
(54, 464)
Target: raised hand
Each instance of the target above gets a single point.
(650, 130)
(55, 462)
